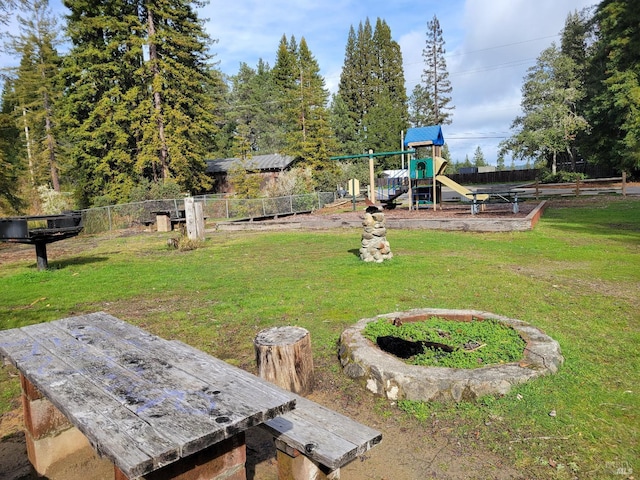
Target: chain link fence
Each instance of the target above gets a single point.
(215, 208)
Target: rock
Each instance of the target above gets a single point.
(374, 244)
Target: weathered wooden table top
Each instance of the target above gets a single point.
(142, 401)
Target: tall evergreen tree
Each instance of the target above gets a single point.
(303, 98)
(478, 158)
(36, 89)
(343, 126)
(138, 100)
(183, 124)
(372, 89)
(436, 77)
(285, 75)
(103, 96)
(421, 108)
(388, 116)
(11, 164)
(243, 108)
(613, 87)
(347, 98)
(317, 142)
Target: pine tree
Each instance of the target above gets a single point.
(435, 76)
(11, 165)
(285, 74)
(372, 89)
(303, 99)
(348, 97)
(317, 142)
(36, 89)
(102, 98)
(183, 125)
(613, 86)
(343, 126)
(138, 98)
(421, 108)
(478, 158)
(388, 115)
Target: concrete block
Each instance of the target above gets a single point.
(45, 452)
(42, 418)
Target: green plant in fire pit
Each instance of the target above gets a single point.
(474, 344)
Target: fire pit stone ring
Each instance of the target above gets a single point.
(388, 375)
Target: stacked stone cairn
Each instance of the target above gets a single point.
(375, 247)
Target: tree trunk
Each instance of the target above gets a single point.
(29, 156)
(157, 98)
(51, 144)
(283, 355)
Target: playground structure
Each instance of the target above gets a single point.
(424, 178)
(426, 174)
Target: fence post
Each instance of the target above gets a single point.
(194, 219)
(624, 183)
(109, 216)
(226, 205)
(577, 187)
(264, 209)
(290, 203)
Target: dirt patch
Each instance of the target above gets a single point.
(344, 210)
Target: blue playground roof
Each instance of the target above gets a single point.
(424, 134)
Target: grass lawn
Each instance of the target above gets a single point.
(576, 276)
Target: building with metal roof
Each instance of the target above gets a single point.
(267, 165)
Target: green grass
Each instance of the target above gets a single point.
(492, 342)
(576, 276)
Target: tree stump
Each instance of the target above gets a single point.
(283, 355)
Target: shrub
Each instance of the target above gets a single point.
(563, 177)
(54, 202)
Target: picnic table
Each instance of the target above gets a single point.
(166, 218)
(507, 196)
(145, 403)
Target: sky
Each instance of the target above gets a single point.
(489, 46)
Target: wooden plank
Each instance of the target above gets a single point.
(114, 431)
(269, 396)
(337, 439)
(214, 372)
(340, 425)
(319, 445)
(176, 406)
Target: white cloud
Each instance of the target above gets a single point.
(502, 39)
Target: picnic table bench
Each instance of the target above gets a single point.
(158, 408)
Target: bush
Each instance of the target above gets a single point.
(296, 181)
(54, 202)
(562, 177)
(148, 190)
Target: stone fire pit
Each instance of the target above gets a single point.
(388, 375)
